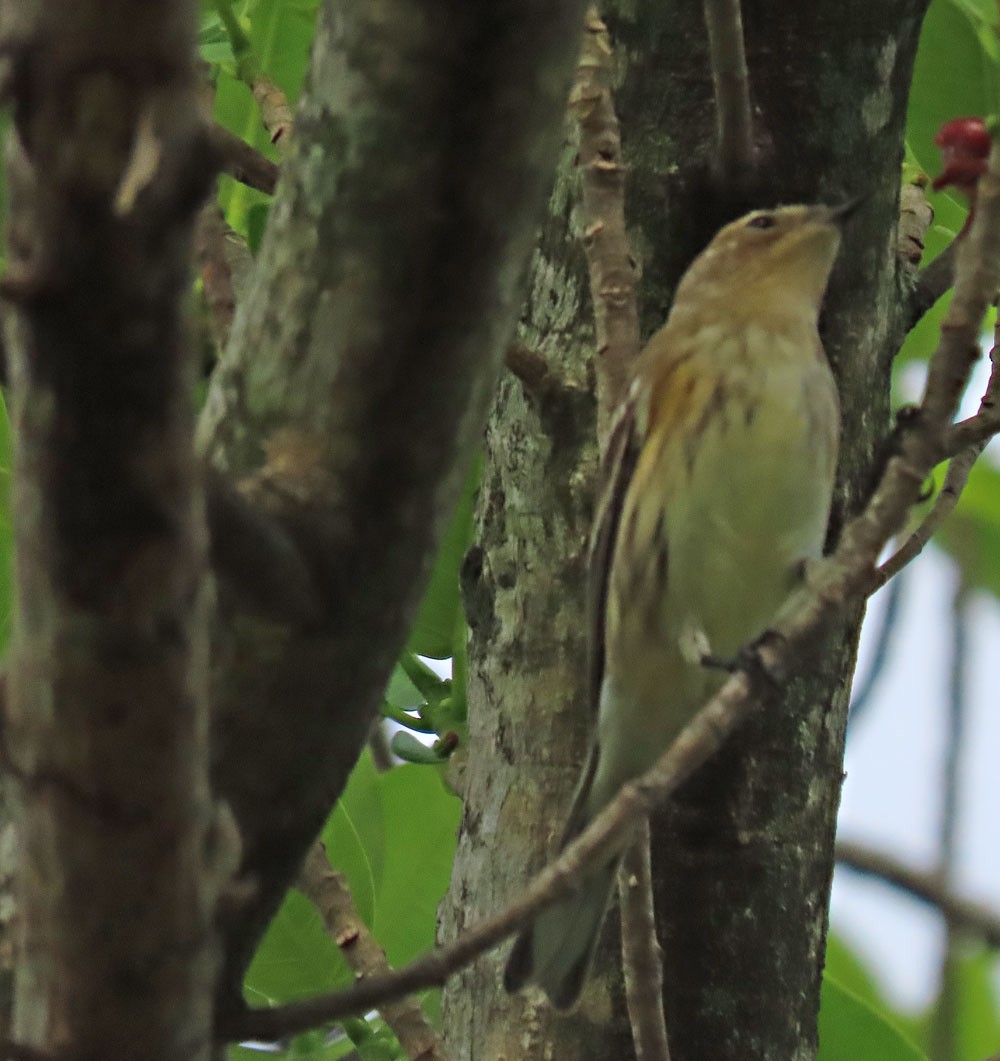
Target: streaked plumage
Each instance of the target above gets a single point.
(717, 486)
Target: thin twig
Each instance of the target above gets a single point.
(972, 435)
(612, 265)
(327, 889)
(975, 918)
(734, 150)
(979, 429)
(641, 954)
(613, 274)
(944, 504)
(841, 579)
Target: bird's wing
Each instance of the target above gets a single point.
(616, 473)
(624, 445)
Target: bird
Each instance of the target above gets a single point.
(717, 484)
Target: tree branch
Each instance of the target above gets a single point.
(108, 708)
(613, 268)
(641, 954)
(327, 889)
(971, 435)
(243, 162)
(735, 159)
(838, 581)
(381, 303)
(975, 918)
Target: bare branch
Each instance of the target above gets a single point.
(971, 435)
(376, 344)
(944, 504)
(975, 918)
(979, 429)
(641, 953)
(327, 889)
(734, 149)
(612, 265)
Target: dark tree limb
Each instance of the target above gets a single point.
(358, 374)
(243, 162)
(107, 715)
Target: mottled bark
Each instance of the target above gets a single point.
(107, 718)
(358, 377)
(744, 856)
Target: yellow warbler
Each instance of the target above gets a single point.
(717, 488)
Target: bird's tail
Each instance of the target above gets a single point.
(555, 950)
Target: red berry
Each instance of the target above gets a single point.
(965, 145)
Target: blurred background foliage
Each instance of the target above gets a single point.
(393, 832)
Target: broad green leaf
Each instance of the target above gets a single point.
(852, 1030)
(354, 836)
(850, 972)
(421, 824)
(401, 692)
(437, 620)
(296, 957)
(951, 78)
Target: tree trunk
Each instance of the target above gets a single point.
(107, 717)
(743, 858)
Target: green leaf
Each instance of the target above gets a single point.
(421, 823)
(408, 747)
(434, 629)
(849, 971)
(401, 691)
(951, 78)
(296, 957)
(354, 836)
(852, 1030)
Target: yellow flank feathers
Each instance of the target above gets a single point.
(717, 490)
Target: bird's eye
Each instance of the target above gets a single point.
(761, 221)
